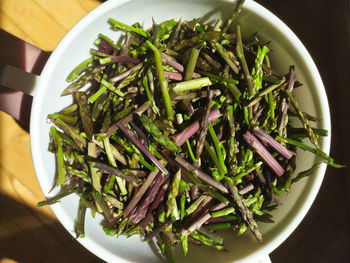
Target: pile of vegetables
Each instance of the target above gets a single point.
(178, 131)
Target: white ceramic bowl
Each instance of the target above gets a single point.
(286, 50)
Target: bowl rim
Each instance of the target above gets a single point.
(253, 7)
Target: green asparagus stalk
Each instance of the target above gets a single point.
(194, 205)
(123, 26)
(184, 243)
(218, 148)
(209, 234)
(194, 84)
(56, 198)
(266, 91)
(246, 213)
(193, 158)
(240, 55)
(120, 182)
(223, 54)
(82, 81)
(80, 222)
(313, 137)
(172, 208)
(85, 113)
(257, 72)
(70, 120)
(61, 170)
(70, 109)
(78, 173)
(223, 212)
(146, 80)
(158, 135)
(206, 240)
(97, 94)
(191, 63)
(315, 151)
(79, 69)
(233, 17)
(305, 173)
(219, 226)
(213, 156)
(162, 81)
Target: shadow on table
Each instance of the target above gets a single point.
(27, 235)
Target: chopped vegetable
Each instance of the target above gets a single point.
(121, 149)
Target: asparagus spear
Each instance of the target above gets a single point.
(61, 170)
(158, 135)
(140, 192)
(233, 17)
(247, 215)
(172, 208)
(85, 113)
(204, 126)
(162, 81)
(313, 137)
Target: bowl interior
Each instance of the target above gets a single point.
(286, 50)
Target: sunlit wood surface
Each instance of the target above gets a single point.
(28, 233)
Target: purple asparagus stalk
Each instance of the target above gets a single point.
(175, 34)
(176, 65)
(246, 189)
(172, 62)
(114, 127)
(149, 197)
(173, 75)
(112, 170)
(126, 45)
(104, 45)
(215, 64)
(140, 133)
(263, 153)
(187, 133)
(284, 116)
(200, 174)
(194, 192)
(120, 76)
(202, 219)
(267, 139)
(157, 200)
(125, 74)
(142, 148)
(196, 75)
(291, 79)
(105, 209)
(204, 125)
(171, 236)
(118, 59)
(137, 196)
(203, 203)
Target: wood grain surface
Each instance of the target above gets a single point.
(27, 233)
(31, 234)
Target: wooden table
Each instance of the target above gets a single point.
(30, 234)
